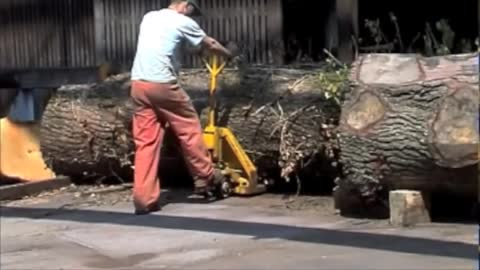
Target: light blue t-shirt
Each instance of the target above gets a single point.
(161, 33)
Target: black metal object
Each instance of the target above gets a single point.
(52, 77)
(29, 105)
(6, 98)
(26, 93)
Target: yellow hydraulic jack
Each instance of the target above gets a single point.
(239, 172)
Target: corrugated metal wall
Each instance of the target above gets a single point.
(247, 22)
(122, 20)
(46, 33)
(61, 33)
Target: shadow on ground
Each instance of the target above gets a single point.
(393, 243)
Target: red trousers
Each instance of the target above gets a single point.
(156, 105)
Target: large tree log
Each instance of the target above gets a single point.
(409, 123)
(278, 116)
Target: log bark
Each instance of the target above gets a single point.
(409, 123)
(279, 117)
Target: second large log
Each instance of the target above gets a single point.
(409, 123)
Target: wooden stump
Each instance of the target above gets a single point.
(408, 208)
(410, 123)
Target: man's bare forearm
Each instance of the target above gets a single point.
(214, 46)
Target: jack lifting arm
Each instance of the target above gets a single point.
(227, 153)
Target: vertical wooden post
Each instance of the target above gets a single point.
(347, 16)
(99, 27)
(355, 26)
(275, 31)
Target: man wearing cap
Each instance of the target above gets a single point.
(160, 100)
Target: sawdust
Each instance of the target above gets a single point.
(76, 196)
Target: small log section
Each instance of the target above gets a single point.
(408, 208)
(279, 116)
(20, 153)
(409, 123)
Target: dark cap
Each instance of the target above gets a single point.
(196, 8)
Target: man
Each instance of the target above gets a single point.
(160, 100)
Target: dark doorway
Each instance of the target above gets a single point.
(308, 29)
(412, 19)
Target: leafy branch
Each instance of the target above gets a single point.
(333, 78)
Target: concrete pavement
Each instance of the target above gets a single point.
(232, 234)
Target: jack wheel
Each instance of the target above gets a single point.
(223, 188)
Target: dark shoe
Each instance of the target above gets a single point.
(206, 185)
(202, 188)
(210, 188)
(148, 210)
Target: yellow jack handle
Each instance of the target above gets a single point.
(214, 68)
(222, 144)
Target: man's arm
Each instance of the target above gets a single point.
(214, 46)
(197, 38)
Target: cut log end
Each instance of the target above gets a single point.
(389, 69)
(365, 112)
(454, 133)
(20, 154)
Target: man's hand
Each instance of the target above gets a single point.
(233, 48)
